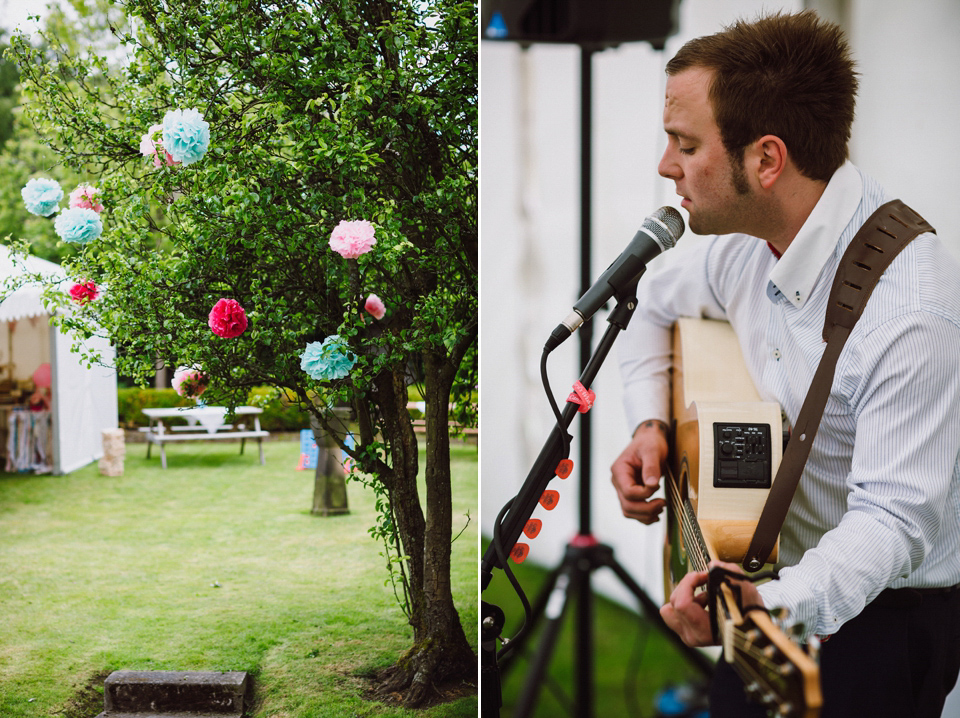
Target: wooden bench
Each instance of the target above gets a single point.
(206, 423)
(420, 425)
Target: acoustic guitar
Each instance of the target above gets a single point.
(727, 445)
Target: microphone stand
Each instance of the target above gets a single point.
(583, 556)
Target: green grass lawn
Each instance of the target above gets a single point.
(212, 564)
(634, 661)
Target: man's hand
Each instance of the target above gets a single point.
(636, 472)
(686, 611)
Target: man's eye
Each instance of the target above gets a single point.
(686, 150)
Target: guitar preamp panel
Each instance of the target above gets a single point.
(742, 455)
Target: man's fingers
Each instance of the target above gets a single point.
(652, 471)
(636, 474)
(647, 512)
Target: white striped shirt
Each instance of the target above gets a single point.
(878, 505)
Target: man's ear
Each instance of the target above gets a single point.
(767, 159)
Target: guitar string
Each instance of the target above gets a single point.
(749, 647)
(689, 531)
(747, 674)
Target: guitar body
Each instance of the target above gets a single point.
(727, 445)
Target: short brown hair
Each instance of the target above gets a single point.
(784, 75)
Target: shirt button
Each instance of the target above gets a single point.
(776, 354)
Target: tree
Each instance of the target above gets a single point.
(317, 112)
(22, 154)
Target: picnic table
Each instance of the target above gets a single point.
(204, 423)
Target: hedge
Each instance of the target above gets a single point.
(279, 414)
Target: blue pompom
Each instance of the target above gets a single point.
(186, 135)
(42, 196)
(328, 360)
(78, 225)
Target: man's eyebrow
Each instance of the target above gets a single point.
(679, 135)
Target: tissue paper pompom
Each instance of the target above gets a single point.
(84, 292)
(150, 146)
(85, 196)
(328, 360)
(374, 305)
(351, 239)
(78, 225)
(41, 196)
(186, 135)
(189, 382)
(227, 319)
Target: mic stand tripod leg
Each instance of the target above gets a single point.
(572, 579)
(652, 611)
(556, 605)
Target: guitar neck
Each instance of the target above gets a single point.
(775, 671)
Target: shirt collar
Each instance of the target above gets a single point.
(797, 271)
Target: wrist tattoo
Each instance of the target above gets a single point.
(655, 423)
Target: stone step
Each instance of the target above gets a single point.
(174, 694)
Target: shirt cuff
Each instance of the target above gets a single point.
(800, 603)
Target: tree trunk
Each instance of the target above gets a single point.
(440, 650)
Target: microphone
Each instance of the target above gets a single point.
(659, 232)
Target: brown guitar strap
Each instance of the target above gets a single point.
(880, 239)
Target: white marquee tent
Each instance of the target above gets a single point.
(83, 401)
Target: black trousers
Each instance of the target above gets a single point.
(900, 657)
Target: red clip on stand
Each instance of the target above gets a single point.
(582, 396)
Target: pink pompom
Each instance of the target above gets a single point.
(151, 146)
(189, 382)
(227, 319)
(85, 197)
(374, 305)
(84, 292)
(351, 239)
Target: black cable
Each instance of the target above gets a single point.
(505, 565)
(497, 540)
(564, 437)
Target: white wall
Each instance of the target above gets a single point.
(84, 400)
(25, 342)
(905, 135)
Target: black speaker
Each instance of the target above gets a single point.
(595, 23)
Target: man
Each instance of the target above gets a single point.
(757, 119)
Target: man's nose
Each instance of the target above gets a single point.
(668, 166)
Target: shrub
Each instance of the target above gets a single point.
(132, 401)
(279, 412)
